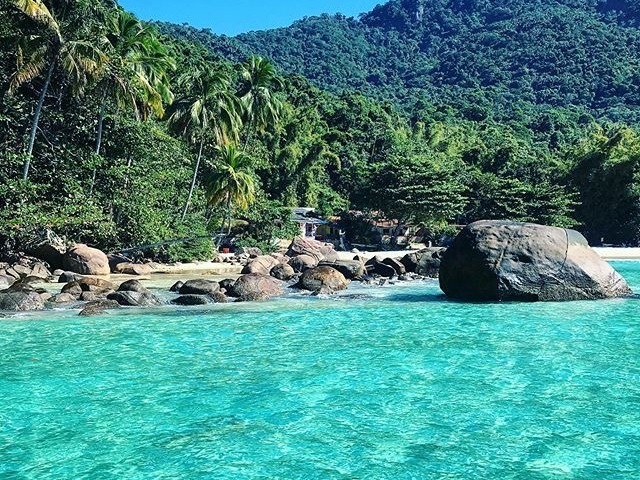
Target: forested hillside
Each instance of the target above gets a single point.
(496, 57)
(118, 135)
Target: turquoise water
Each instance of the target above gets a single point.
(389, 383)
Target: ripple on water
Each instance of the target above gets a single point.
(392, 382)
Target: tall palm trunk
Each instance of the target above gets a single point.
(36, 121)
(193, 181)
(229, 214)
(101, 113)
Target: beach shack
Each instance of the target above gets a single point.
(309, 222)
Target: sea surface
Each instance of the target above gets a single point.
(391, 382)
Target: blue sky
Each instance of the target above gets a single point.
(236, 16)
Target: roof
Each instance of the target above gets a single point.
(306, 215)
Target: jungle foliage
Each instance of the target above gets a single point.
(155, 136)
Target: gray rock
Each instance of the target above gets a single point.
(132, 286)
(192, 300)
(199, 287)
(20, 301)
(255, 287)
(376, 267)
(133, 269)
(63, 298)
(302, 263)
(227, 284)
(67, 277)
(323, 279)
(98, 307)
(283, 272)
(261, 265)
(351, 269)
(175, 288)
(135, 299)
(501, 260)
(396, 265)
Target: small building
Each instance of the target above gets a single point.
(308, 221)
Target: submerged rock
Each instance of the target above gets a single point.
(98, 307)
(136, 299)
(501, 260)
(193, 300)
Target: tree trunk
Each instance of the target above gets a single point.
(103, 109)
(193, 181)
(36, 121)
(229, 214)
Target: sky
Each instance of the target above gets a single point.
(231, 17)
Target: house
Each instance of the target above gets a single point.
(308, 221)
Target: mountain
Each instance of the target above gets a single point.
(485, 57)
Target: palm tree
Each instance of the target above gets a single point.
(135, 75)
(262, 106)
(208, 112)
(78, 57)
(231, 181)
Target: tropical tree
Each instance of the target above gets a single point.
(60, 42)
(262, 107)
(207, 112)
(135, 74)
(231, 181)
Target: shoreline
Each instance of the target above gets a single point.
(618, 253)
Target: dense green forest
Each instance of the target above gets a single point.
(116, 134)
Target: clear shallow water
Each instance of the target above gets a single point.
(388, 383)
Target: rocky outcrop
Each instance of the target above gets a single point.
(86, 261)
(199, 287)
(396, 265)
(425, 262)
(261, 265)
(323, 280)
(20, 301)
(193, 300)
(255, 287)
(283, 272)
(500, 260)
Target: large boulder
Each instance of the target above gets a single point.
(396, 265)
(199, 287)
(20, 301)
(312, 247)
(132, 286)
(261, 265)
(376, 266)
(351, 269)
(323, 279)
(254, 287)
(86, 261)
(501, 260)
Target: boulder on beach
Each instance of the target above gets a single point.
(255, 287)
(323, 279)
(47, 246)
(132, 286)
(86, 261)
(396, 265)
(313, 248)
(261, 265)
(133, 269)
(66, 277)
(502, 260)
(20, 300)
(199, 286)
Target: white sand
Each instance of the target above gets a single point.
(618, 253)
